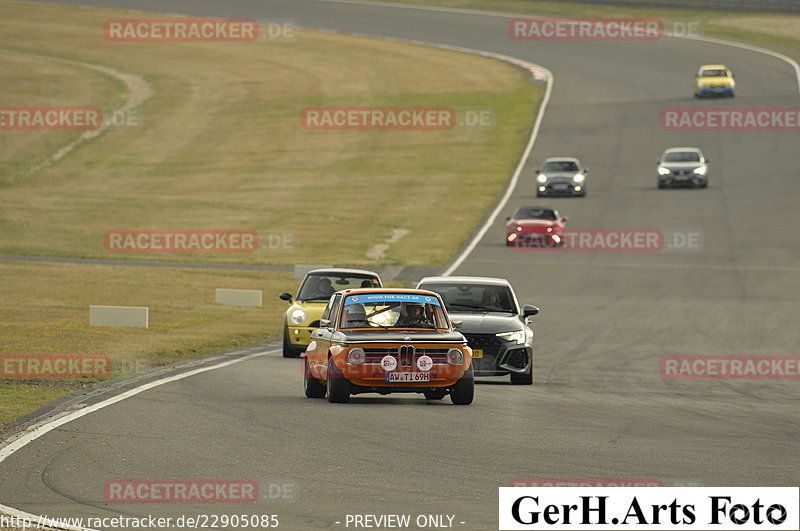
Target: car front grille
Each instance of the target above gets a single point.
(489, 344)
(406, 355)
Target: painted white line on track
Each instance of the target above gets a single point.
(37, 432)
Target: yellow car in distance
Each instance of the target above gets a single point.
(714, 80)
(305, 309)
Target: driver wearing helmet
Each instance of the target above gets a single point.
(414, 317)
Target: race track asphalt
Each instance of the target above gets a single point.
(599, 407)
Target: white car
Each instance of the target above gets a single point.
(561, 176)
(682, 166)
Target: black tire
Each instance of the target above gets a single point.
(312, 386)
(661, 184)
(463, 391)
(525, 378)
(704, 185)
(338, 388)
(289, 351)
(437, 394)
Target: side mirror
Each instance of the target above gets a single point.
(706, 161)
(537, 172)
(529, 310)
(285, 296)
(564, 219)
(324, 323)
(458, 324)
(586, 170)
(508, 218)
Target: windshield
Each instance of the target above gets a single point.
(474, 297)
(682, 156)
(392, 310)
(563, 165)
(714, 73)
(320, 287)
(535, 213)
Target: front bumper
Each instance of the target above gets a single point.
(299, 336)
(496, 357)
(682, 178)
(370, 376)
(561, 188)
(533, 239)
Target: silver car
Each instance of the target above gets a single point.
(561, 176)
(685, 166)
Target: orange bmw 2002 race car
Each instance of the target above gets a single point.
(377, 340)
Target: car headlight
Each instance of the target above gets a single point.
(356, 356)
(663, 171)
(700, 171)
(517, 336)
(298, 317)
(455, 356)
(579, 178)
(542, 178)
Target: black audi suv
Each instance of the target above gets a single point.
(496, 327)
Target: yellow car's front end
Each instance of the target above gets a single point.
(714, 80)
(300, 320)
(306, 308)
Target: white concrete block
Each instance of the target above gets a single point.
(119, 316)
(239, 297)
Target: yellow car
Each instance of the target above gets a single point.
(714, 80)
(306, 308)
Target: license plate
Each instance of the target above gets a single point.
(560, 186)
(408, 376)
(477, 353)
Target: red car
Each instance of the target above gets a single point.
(532, 226)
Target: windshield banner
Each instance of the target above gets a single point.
(391, 297)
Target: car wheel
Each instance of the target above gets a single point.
(661, 184)
(311, 385)
(436, 394)
(463, 391)
(289, 351)
(704, 184)
(525, 378)
(338, 387)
